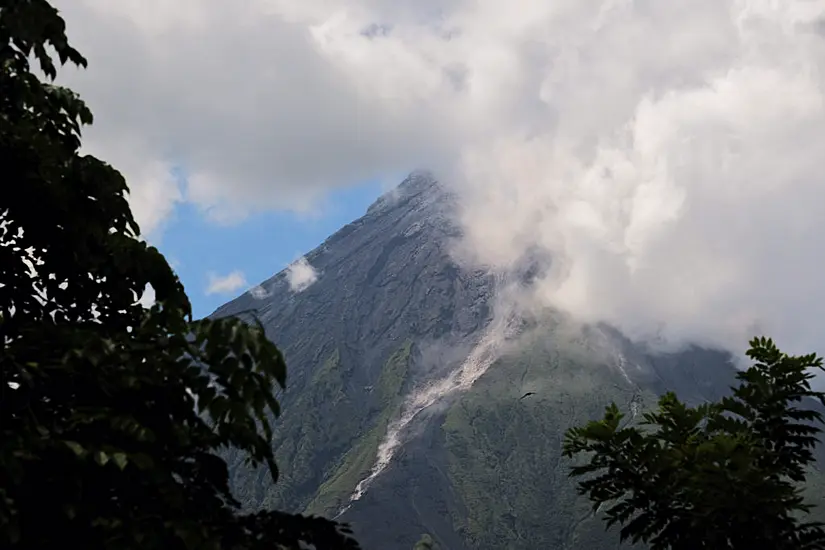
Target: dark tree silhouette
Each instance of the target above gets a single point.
(111, 414)
(723, 475)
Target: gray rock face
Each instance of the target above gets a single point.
(389, 311)
(383, 279)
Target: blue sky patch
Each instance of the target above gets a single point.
(259, 246)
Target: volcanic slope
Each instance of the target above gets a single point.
(394, 329)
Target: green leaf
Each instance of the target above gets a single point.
(76, 447)
(120, 459)
(101, 458)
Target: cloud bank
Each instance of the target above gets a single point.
(675, 180)
(667, 154)
(300, 275)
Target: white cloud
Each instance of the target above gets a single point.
(258, 292)
(678, 185)
(300, 275)
(153, 190)
(225, 284)
(668, 154)
(243, 97)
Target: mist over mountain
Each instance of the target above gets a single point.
(404, 412)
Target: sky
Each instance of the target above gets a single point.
(666, 154)
(217, 262)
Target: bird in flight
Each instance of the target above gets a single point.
(529, 393)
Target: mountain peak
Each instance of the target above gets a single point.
(419, 184)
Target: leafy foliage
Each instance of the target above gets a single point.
(495, 441)
(112, 414)
(720, 475)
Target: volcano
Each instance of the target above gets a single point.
(403, 412)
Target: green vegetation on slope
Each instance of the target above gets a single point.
(360, 458)
(505, 452)
(326, 440)
(501, 455)
(318, 424)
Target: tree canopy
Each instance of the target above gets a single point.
(727, 474)
(112, 414)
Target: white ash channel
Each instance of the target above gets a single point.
(462, 378)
